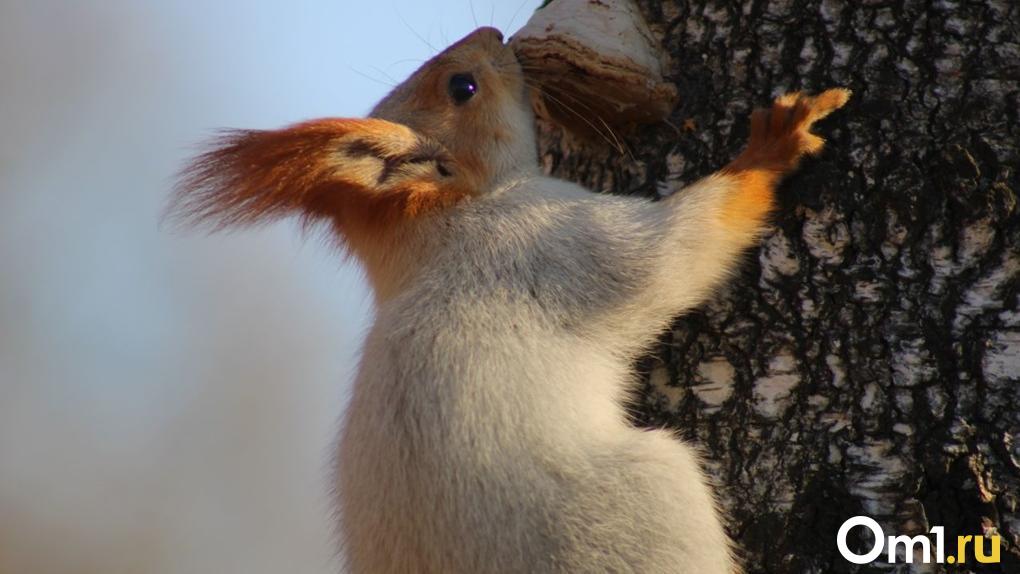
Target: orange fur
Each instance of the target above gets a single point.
(363, 175)
(779, 138)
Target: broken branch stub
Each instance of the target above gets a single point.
(595, 62)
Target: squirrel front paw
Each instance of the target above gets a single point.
(780, 135)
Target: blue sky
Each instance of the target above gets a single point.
(169, 398)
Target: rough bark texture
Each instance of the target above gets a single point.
(866, 359)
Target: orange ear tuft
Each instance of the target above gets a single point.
(354, 172)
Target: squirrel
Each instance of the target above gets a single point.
(487, 430)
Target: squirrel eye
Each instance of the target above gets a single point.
(462, 87)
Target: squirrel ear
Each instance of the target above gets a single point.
(357, 173)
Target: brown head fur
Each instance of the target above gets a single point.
(492, 133)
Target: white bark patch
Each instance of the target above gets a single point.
(903, 429)
(983, 294)
(772, 392)
(835, 364)
(1002, 360)
(1010, 318)
(878, 475)
(716, 385)
(777, 258)
(835, 455)
(871, 391)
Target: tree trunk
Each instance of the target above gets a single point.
(866, 359)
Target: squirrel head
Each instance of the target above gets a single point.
(472, 99)
(456, 129)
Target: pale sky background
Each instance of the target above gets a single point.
(168, 400)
